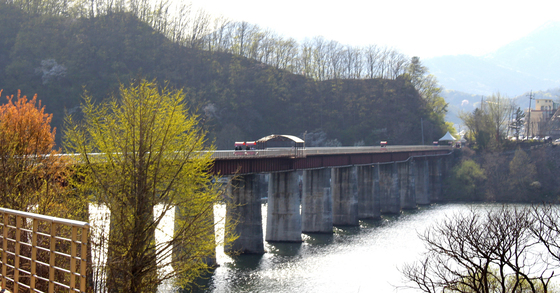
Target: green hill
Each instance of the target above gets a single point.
(60, 58)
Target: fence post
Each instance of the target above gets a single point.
(52, 255)
(73, 256)
(83, 258)
(4, 249)
(34, 253)
(18, 247)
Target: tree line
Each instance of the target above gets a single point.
(239, 98)
(514, 176)
(315, 57)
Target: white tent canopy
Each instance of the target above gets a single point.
(447, 137)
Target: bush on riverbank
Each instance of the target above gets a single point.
(512, 176)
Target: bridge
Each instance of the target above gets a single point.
(311, 190)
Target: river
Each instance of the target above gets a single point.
(352, 259)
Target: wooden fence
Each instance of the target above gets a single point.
(42, 253)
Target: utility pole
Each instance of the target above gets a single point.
(529, 118)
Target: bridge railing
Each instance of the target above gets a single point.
(280, 152)
(42, 253)
(285, 152)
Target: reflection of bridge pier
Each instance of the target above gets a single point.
(337, 193)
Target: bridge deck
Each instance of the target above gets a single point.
(286, 159)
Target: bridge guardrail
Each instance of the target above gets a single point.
(286, 152)
(42, 253)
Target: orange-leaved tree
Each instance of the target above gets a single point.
(33, 178)
(32, 173)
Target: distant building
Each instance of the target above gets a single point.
(541, 118)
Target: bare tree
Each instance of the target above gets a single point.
(288, 52)
(383, 67)
(179, 23)
(256, 44)
(267, 47)
(220, 37)
(482, 251)
(334, 56)
(499, 108)
(305, 64)
(397, 64)
(198, 28)
(547, 229)
(372, 54)
(241, 38)
(320, 58)
(355, 62)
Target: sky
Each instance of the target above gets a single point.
(423, 28)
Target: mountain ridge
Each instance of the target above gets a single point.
(528, 63)
(236, 98)
(518, 68)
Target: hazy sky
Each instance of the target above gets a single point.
(424, 28)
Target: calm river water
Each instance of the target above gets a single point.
(353, 259)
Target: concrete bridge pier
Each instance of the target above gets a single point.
(422, 181)
(316, 203)
(390, 201)
(436, 177)
(283, 216)
(262, 185)
(407, 181)
(344, 186)
(244, 208)
(368, 192)
(377, 190)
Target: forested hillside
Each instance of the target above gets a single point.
(61, 55)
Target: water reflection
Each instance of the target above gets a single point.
(245, 261)
(284, 248)
(318, 238)
(370, 223)
(352, 259)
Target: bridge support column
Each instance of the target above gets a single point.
(407, 181)
(262, 187)
(422, 181)
(317, 205)
(244, 208)
(390, 202)
(435, 179)
(368, 196)
(344, 184)
(283, 216)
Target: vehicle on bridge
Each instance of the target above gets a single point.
(273, 141)
(245, 148)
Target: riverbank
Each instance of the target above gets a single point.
(528, 175)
